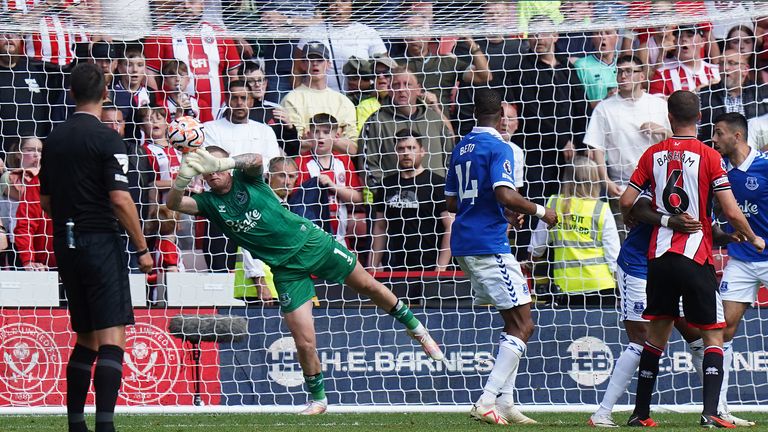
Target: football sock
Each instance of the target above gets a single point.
(106, 381)
(713, 378)
(403, 315)
(315, 386)
(727, 364)
(646, 379)
(79, 370)
(511, 349)
(697, 356)
(507, 390)
(625, 369)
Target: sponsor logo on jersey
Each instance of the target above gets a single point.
(748, 208)
(249, 221)
(153, 363)
(32, 364)
(592, 361)
(751, 183)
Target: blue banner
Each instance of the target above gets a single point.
(367, 358)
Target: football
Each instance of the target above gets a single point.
(186, 134)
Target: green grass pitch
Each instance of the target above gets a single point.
(345, 422)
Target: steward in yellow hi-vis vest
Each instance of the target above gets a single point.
(585, 243)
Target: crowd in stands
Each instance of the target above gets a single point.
(361, 127)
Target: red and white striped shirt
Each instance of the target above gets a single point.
(55, 42)
(208, 57)
(677, 76)
(165, 162)
(342, 172)
(681, 174)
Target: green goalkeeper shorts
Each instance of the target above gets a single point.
(321, 256)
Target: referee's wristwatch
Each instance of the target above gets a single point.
(142, 252)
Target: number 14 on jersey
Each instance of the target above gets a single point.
(467, 186)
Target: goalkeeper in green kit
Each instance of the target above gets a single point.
(244, 207)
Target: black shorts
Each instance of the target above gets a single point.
(673, 275)
(95, 278)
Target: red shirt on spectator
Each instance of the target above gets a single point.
(208, 57)
(33, 234)
(342, 172)
(677, 76)
(52, 43)
(165, 162)
(682, 173)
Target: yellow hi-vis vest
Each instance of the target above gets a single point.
(244, 287)
(577, 240)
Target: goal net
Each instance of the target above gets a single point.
(398, 81)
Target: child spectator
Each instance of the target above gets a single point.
(33, 233)
(164, 159)
(334, 172)
(585, 242)
(130, 90)
(174, 96)
(166, 255)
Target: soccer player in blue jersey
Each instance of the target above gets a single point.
(479, 188)
(747, 269)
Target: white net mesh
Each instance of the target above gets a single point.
(167, 58)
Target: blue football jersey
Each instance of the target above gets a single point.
(749, 183)
(480, 162)
(633, 257)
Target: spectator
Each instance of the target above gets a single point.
(650, 45)
(174, 82)
(270, 113)
(597, 71)
(585, 244)
(342, 36)
(440, 73)
(503, 53)
(164, 159)
(23, 94)
(412, 227)
(282, 175)
(689, 71)
(406, 109)
(622, 127)
(313, 97)
(575, 45)
(334, 172)
(33, 233)
(237, 134)
(60, 30)
(736, 92)
(553, 114)
(358, 74)
(104, 55)
(507, 127)
(382, 66)
(210, 58)
(130, 92)
(166, 255)
(742, 39)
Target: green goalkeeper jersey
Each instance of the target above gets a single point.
(251, 215)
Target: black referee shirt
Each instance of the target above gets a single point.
(82, 161)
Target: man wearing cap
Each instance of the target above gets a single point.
(690, 72)
(381, 66)
(105, 55)
(358, 74)
(314, 97)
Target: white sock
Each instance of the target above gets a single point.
(722, 406)
(511, 349)
(625, 369)
(507, 396)
(697, 356)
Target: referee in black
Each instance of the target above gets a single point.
(84, 188)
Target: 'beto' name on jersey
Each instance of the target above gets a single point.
(749, 183)
(481, 162)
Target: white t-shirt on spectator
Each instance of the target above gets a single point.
(757, 137)
(615, 128)
(519, 164)
(237, 139)
(355, 39)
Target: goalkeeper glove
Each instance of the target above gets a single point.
(206, 163)
(186, 173)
